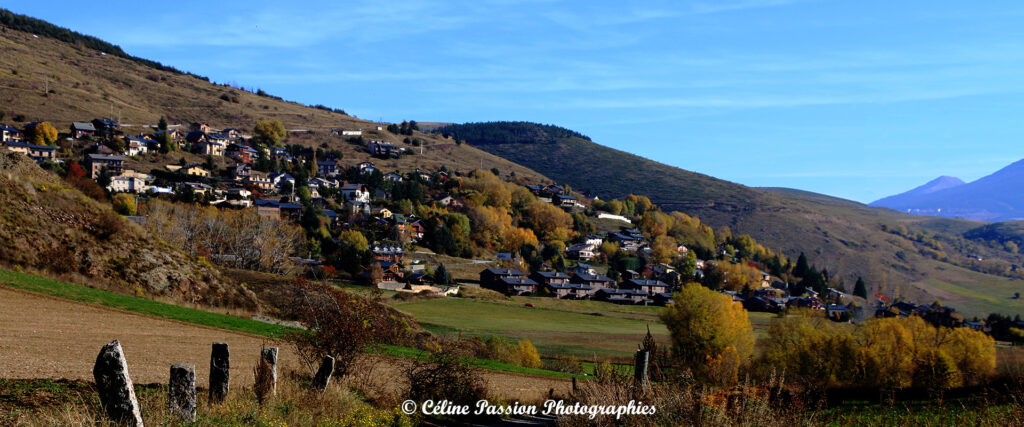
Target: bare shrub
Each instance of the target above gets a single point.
(445, 376)
(264, 382)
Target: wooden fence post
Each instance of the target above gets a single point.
(117, 393)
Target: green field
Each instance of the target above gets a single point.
(605, 332)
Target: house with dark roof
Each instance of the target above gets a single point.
(569, 290)
(106, 128)
(38, 153)
(365, 167)
(10, 134)
(546, 278)
(391, 253)
(649, 286)
(594, 281)
(82, 129)
(278, 209)
(97, 163)
(621, 296)
(490, 277)
(519, 286)
(327, 167)
(242, 153)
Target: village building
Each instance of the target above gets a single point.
(97, 163)
(38, 153)
(82, 130)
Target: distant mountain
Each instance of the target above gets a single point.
(910, 197)
(994, 198)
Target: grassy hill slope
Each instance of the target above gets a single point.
(45, 225)
(84, 83)
(847, 238)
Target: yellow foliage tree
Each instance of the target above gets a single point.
(549, 222)
(269, 132)
(124, 204)
(528, 356)
(43, 134)
(703, 324)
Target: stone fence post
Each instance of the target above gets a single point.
(182, 391)
(220, 373)
(117, 393)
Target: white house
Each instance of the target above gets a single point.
(356, 193)
(126, 184)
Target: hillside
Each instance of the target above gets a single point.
(845, 237)
(991, 198)
(47, 226)
(42, 78)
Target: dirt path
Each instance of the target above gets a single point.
(45, 337)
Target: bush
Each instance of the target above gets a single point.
(124, 204)
(445, 376)
(107, 225)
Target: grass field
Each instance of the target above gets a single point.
(604, 332)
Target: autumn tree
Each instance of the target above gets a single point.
(528, 356)
(711, 335)
(549, 222)
(124, 204)
(42, 134)
(269, 132)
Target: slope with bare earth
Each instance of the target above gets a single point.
(46, 79)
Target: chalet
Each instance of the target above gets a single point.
(489, 277)
(581, 251)
(99, 148)
(382, 212)
(582, 268)
(554, 190)
(97, 163)
(594, 240)
(390, 271)
(569, 290)
(394, 177)
(238, 193)
(197, 187)
(82, 129)
(365, 167)
(447, 200)
(278, 154)
(10, 134)
(550, 277)
(657, 271)
(194, 170)
(763, 304)
(38, 153)
(327, 167)
(594, 281)
(242, 153)
(391, 253)
(258, 182)
(106, 128)
(232, 133)
(326, 183)
(279, 178)
(278, 209)
(417, 230)
(621, 296)
(210, 145)
(422, 175)
(838, 313)
(126, 184)
(355, 193)
(651, 287)
(199, 127)
(383, 149)
(977, 326)
(565, 200)
(240, 171)
(136, 146)
(519, 286)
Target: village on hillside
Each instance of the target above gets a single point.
(244, 171)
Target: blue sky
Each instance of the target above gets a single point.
(857, 99)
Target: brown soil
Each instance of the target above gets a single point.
(44, 337)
